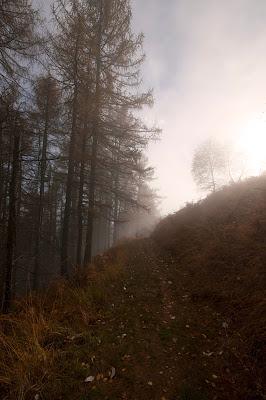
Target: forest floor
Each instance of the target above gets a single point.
(144, 323)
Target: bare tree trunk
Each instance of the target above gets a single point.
(41, 196)
(116, 187)
(213, 183)
(5, 194)
(11, 228)
(18, 207)
(71, 169)
(53, 206)
(116, 216)
(80, 202)
(95, 128)
(1, 171)
(90, 217)
(108, 229)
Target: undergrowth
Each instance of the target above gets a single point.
(35, 337)
(180, 316)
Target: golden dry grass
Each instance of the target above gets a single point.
(41, 325)
(188, 303)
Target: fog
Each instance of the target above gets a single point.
(206, 62)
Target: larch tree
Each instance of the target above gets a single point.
(71, 138)
(18, 44)
(16, 126)
(118, 57)
(18, 39)
(68, 50)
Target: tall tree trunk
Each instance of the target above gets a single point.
(1, 170)
(116, 187)
(80, 201)
(53, 216)
(17, 250)
(11, 228)
(6, 190)
(95, 129)
(71, 169)
(108, 244)
(39, 220)
(116, 217)
(90, 217)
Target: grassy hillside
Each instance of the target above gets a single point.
(180, 315)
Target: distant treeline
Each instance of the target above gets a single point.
(72, 171)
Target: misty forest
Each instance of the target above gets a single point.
(132, 236)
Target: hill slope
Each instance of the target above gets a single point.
(178, 316)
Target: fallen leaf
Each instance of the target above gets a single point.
(89, 379)
(112, 374)
(208, 353)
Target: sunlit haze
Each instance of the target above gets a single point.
(252, 142)
(206, 62)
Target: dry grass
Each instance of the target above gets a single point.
(33, 337)
(119, 313)
(220, 243)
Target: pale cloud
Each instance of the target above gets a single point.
(207, 63)
(206, 60)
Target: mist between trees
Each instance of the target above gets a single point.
(73, 175)
(215, 164)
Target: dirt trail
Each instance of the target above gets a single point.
(147, 333)
(162, 343)
(153, 336)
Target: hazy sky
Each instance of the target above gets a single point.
(206, 60)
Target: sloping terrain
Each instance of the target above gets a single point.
(180, 315)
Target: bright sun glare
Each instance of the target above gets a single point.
(252, 143)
